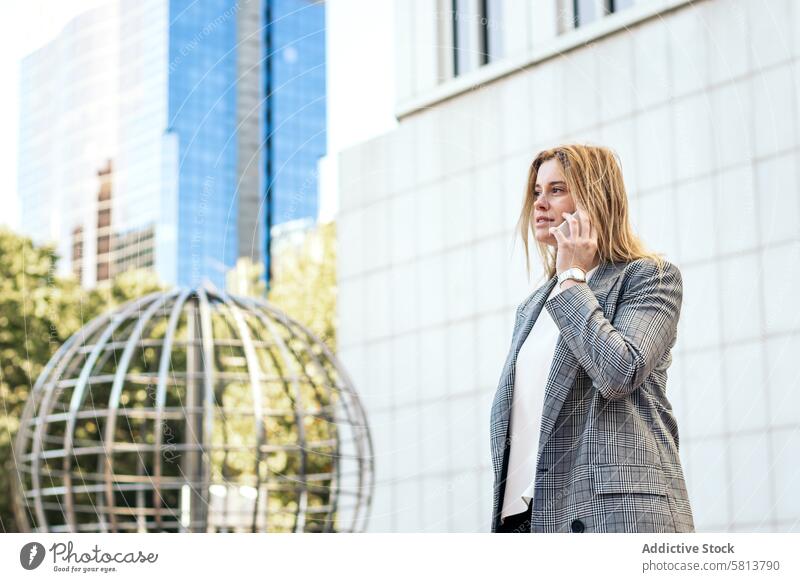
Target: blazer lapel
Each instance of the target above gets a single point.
(556, 391)
(527, 317)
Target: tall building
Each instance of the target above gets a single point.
(69, 101)
(295, 112)
(699, 99)
(193, 104)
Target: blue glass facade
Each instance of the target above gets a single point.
(211, 114)
(295, 108)
(202, 114)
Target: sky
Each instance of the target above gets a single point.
(360, 75)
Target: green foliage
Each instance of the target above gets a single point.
(38, 312)
(303, 286)
(246, 279)
(304, 283)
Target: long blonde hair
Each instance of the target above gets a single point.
(594, 179)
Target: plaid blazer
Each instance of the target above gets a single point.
(608, 447)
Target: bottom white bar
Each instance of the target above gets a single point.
(326, 557)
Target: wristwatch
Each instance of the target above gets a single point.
(575, 273)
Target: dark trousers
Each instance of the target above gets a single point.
(517, 523)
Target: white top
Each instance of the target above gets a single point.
(532, 370)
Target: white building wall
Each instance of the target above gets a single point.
(700, 100)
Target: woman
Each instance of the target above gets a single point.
(583, 437)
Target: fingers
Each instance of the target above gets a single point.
(574, 225)
(586, 225)
(579, 227)
(592, 230)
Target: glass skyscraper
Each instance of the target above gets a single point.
(153, 133)
(202, 120)
(295, 108)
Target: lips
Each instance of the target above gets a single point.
(543, 220)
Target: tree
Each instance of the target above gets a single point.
(38, 312)
(304, 287)
(304, 282)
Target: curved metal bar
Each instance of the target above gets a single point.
(161, 396)
(299, 447)
(36, 450)
(207, 336)
(115, 319)
(116, 392)
(66, 361)
(263, 317)
(334, 488)
(220, 390)
(254, 369)
(21, 443)
(366, 458)
(293, 381)
(364, 445)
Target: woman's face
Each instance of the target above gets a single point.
(551, 200)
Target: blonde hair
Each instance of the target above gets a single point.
(594, 179)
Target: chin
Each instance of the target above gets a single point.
(547, 240)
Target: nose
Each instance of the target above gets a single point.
(540, 202)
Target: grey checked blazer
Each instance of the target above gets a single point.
(608, 448)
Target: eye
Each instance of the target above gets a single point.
(556, 189)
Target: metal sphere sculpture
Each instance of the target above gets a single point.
(192, 410)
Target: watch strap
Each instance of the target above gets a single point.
(575, 273)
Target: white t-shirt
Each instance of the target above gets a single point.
(532, 369)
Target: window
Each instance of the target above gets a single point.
(104, 218)
(462, 39)
(476, 28)
(491, 20)
(586, 11)
(617, 5)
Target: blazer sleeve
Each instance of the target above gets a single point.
(620, 355)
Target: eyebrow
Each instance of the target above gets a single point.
(551, 183)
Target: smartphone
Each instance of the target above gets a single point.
(564, 226)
